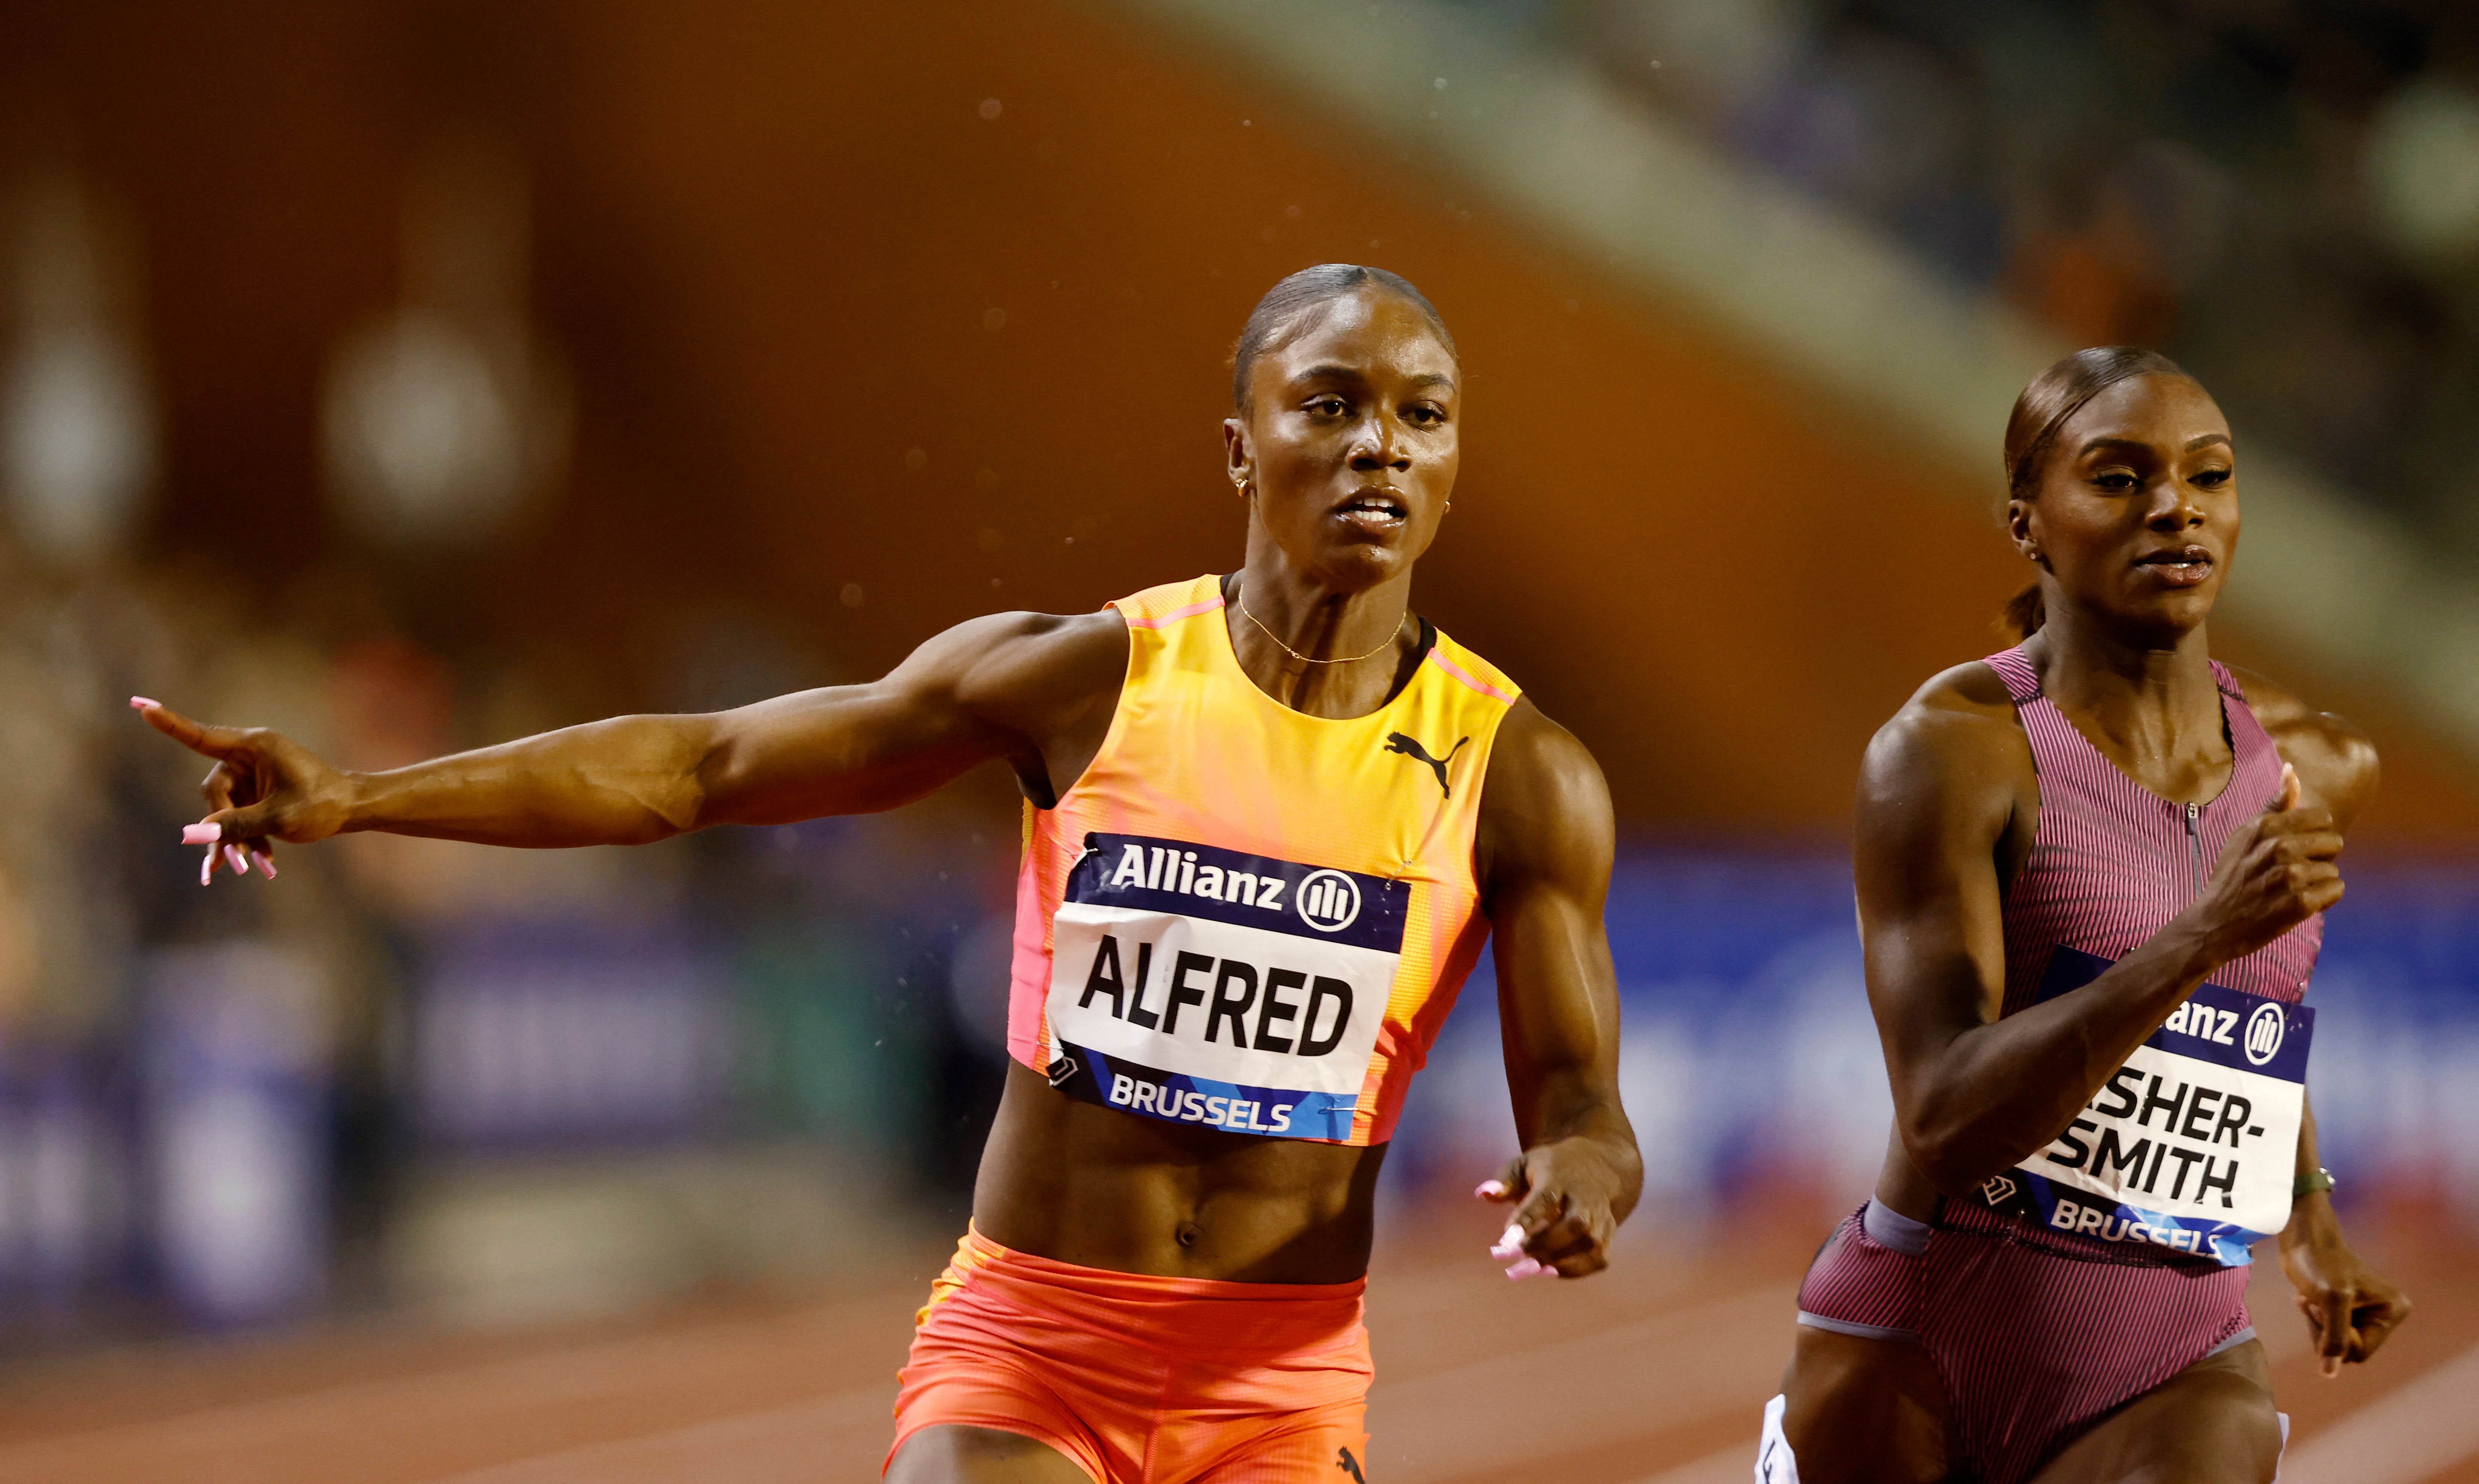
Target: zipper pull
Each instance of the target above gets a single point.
(2195, 840)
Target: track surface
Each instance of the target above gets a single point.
(1654, 1372)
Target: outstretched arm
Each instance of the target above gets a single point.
(1545, 842)
(1973, 1094)
(1002, 687)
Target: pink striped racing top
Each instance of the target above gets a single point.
(2191, 1148)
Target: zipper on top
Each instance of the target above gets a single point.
(2195, 846)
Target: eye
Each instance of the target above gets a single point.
(2117, 481)
(1427, 414)
(2211, 478)
(1329, 406)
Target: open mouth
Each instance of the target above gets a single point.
(2179, 566)
(1375, 509)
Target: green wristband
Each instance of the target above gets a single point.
(2308, 1184)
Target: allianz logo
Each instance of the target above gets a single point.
(2203, 1022)
(1328, 901)
(2264, 1028)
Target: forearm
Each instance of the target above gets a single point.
(623, 782)
(1996, 1093)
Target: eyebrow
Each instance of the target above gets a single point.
(1349, 374)
(2199, 441)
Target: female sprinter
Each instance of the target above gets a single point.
(1272, 816)
(2091, 871)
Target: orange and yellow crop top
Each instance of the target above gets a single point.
(1245, 916)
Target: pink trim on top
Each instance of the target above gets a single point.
(1438, 657)
(1174, 615)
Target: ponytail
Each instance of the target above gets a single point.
(2023, 613)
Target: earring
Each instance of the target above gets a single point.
(1450, 504)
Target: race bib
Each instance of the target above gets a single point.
(1202, 986)
(2192, 1145)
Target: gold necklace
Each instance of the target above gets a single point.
(1306, 659)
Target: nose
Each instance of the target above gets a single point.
(2173, 508)
(1375, 447)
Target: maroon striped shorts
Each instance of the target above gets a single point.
(2034, 1340)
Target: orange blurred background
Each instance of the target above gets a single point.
(409, 376)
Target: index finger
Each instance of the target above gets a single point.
(1542, 1202)
(2313, 819)
(216, 742)
(2334, 1329)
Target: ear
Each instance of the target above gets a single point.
(1240, 460)
(2023, 525)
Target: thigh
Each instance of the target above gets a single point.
(1324, 1446)
(953, 1455)
(1861, 1411)
(2210, 1423)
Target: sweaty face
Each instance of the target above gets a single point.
(2136, 511)
(1350, 440)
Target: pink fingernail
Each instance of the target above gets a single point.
(265, 863)
(207, 869)
(234, 858)
(1489, 1189)
(201, 834)
(1524, 1269)
(144, 703)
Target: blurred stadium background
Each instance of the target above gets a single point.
(412, 376)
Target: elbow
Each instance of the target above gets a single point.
(1948, 1152)
(651, 811)
(695, 790)
(1951, 1172)
(685, 812)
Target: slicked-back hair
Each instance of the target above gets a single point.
(2055, 395)
(2060, 393)
(1305, 290)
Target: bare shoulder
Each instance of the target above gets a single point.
(1962, 719)
(2336, 760)
(1545, 806)
(1008, 662)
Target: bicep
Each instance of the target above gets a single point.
(1549, 839)
(1930, 917)
(855, 749)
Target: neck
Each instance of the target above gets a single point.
(2155, 693)
(1362, 636)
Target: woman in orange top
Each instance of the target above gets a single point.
(1271, 818)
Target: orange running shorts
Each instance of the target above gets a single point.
(1143, 1380)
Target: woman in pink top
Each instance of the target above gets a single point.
(2091, 873)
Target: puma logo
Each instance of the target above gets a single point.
(1397, 742)
(1343, 1460)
